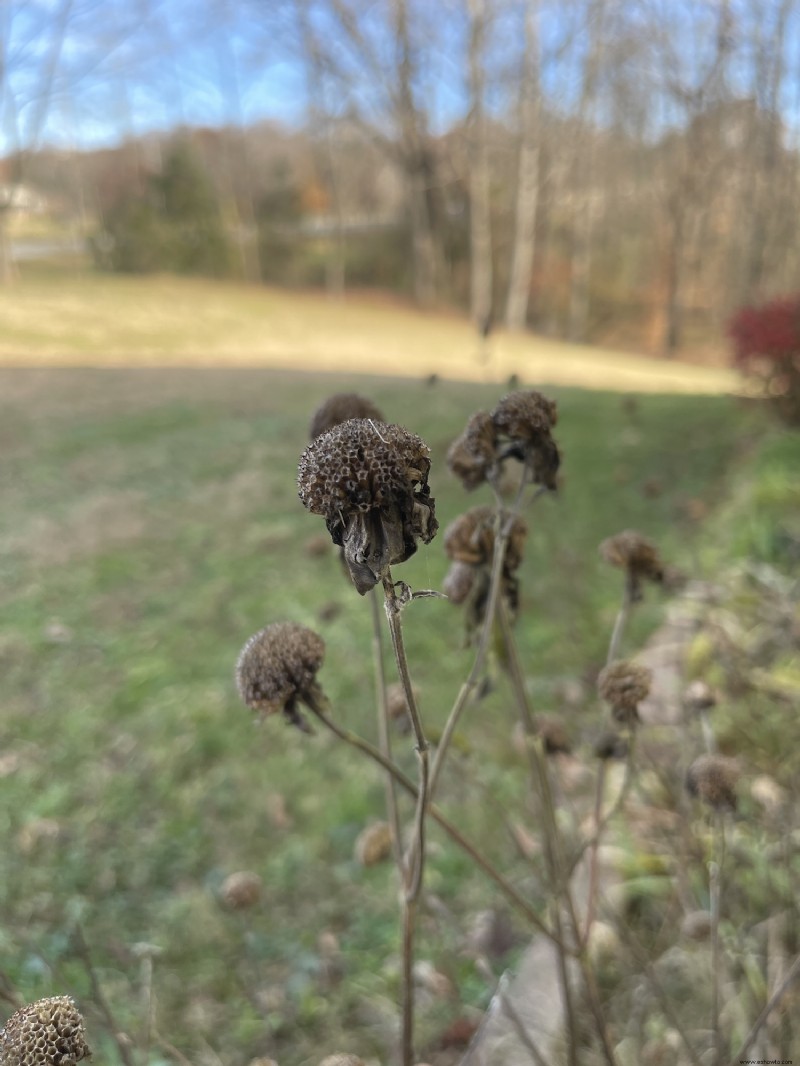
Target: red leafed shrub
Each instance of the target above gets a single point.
(766, 347)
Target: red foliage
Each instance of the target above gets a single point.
(766, 346)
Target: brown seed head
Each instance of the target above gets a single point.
(470, 539)
(713, 779)
(523, 421)
(610, 745)
(48, 1032)
(277, 670)
(369, 481)
(472, 455)
(638, 556)
(624, 685)
(699, 696)
(339, 408)
(241, 890)
(554, 736)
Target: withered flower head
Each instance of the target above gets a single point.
(637, 556)
(610, 745)
(277, 670)
(470, 539)
(459, 582)
(624, 684)
(339, 408)
(699, 696)
(713, 779)
(369, 480)
(472, 455)
(523, 421)
(48, 1032)
(241, 890)
(555, 738)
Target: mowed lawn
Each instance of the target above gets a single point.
(150, 525)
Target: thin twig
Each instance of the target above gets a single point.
(619, 624)
(384, 736)
(414, 861)
(715, 894)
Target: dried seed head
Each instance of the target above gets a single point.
(699, 696)
(277, 670)
(340, 1059)
(523, 421)
(472, 455)
(554, 736)
(470, 539)
(369, 481)
(341, 407)
(624, 685)
(241, 890)
(637, 556)
(48, 1032)
(610, 745)
(373, 844)
(713, 779)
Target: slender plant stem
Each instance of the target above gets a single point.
(414, 861)
(715, 894)
(615, 807)
(594, 847)
(509, 891)
(791, 975)
(384, 737)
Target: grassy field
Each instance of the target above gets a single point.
(150, 525)
(53, 317)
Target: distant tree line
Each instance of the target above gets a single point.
(603, 170)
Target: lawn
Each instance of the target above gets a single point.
(150, 525)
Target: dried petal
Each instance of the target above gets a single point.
(472, 455)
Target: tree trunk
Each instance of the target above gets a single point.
(480, 227)
(527, 199)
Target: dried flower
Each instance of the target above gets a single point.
(610, 745)
(341, 407)
(472, 455)
(470, 539)
(277, 670)
(624, 685)
(713, 779)
(637, 556)
(699, 696)
(241, 890)
(369, 480)
(373, 844)
(48, 1032)
(459, 582)
(523, 421)
(554, 736)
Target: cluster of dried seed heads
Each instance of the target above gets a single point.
(369, 481)
(341, 407)
(469, 542)
(624, 684)
(277, 670)
(519, 427)
(637, 556)
(48, 1032)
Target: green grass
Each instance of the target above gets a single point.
(150, 525)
